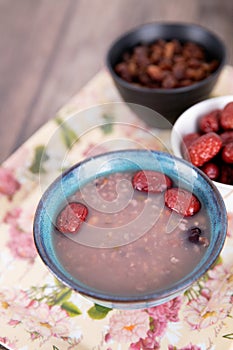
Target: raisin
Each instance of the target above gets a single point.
(155, 72)
(149, 64)
(194, 63)
(185, 82)
(194, 234)
(192, 50)
(169, 49)
(182, 201)
(71, 217)
(123, 71)
(179, 70)
(195, 74)
(151, 181)
(169, 82)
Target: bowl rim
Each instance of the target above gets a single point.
(176, 148)
(148, 298)
(180, 90)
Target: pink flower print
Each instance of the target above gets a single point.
(39, 319)
(149, 342)
(12, 216)
(230, 224)
(21, 244)
(220, 282)
(7, 342)
(129, 326)
(21, 241)
(26, 217)
(159, 317)
(13, 304)
(20, 159)
(188, 347)
(166, 312)
(214, 302)
(44, 322)
(8, 183)
(198, 315)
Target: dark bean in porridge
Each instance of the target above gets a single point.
(131, 243)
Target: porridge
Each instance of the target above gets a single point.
(131, 233)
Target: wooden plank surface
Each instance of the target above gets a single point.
(50, 49)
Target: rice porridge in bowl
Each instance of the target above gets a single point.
(130, 229)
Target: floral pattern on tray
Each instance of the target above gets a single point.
(39, 312)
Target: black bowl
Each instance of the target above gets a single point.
(170, 103)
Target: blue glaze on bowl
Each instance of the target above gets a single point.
(180, 171)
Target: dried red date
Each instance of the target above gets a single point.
(226, 174)
(211, 170)
(209, 122)
(71, 217)
(204, 148)
(213, 151)
(227, 153)
(151, 181)
(226, 117)
(227, 136)
(187, 141)
(182, 201)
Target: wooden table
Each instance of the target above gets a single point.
(50, 49)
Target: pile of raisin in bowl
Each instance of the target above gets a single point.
(165, 64)
(210, 148)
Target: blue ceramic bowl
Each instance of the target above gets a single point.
(72, 180)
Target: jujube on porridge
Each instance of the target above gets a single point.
(131, 233)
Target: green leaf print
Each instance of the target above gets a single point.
(55, 348)
(98, 312)
(71, 309)
(228, 336)
(63, 295)
(218, 261)
(107, 127)
(40, 157)
(69, 136)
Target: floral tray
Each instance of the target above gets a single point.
(37, 311)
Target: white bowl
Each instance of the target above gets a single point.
(187, 123)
